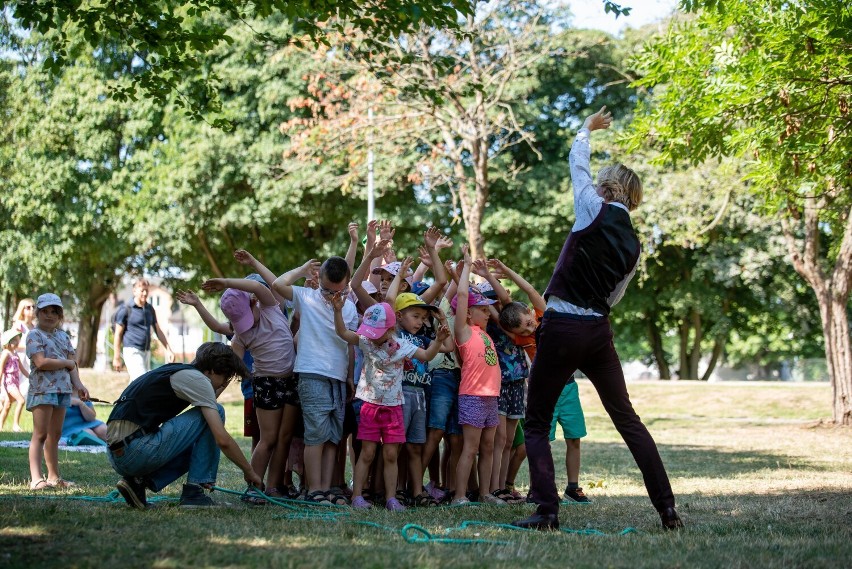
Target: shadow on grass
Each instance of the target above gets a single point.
(688, 461)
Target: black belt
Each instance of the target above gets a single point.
(130, 438)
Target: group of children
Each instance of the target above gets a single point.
(374, 361)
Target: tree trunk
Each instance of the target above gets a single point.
(683, 356)
(833, 297)
(718, 346)
(90, 316)
(695, 352)
(656, 340)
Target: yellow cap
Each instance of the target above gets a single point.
(409, 299)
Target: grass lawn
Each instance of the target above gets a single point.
(759, 483)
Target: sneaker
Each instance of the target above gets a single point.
(462, 501)
(133, 491)
(193, 496)
(576, 495)
(393, 505)
(492, 500)
(360, 503)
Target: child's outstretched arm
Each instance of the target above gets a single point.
(350, 337)
(245, 258)
(386, 233)
(434, 348)
(352, 251)
(190, 298)
(431, 238)
(263, 294)
(360, 274)
(462, 328)
(393, 289)
(283, 285)
(480, 267)
(535, 298)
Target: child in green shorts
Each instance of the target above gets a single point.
(569, 415)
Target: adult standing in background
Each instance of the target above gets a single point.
(133, 324)
(23, 321)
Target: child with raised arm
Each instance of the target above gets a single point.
(412, 315)
(324, 364)
(261, 328)
(380, 389)
(479, 389)
(591, 275)
(521, 321)
(53, 378)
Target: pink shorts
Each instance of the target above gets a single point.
(381, 424)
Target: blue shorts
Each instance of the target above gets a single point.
(54, 399)
(569, 414)
(414, 414)
(444, 401)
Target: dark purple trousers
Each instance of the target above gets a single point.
(567, 343)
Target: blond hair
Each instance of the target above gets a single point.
(618, 183)
(19, 313)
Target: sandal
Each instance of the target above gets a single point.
(253, 497)
(507, 496)
(274, 492)
(425, 500)
(337, 499)
(60, 483)
(39, 485)
(317, 497)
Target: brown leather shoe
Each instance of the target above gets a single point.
(670, 519)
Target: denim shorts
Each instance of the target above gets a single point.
(511, 402)
(323, 408)
(414, 414)
(54, 399)
(479, 412)
(444, 401)
(569, 414)
(381, 424)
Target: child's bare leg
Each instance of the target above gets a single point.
(362, 467)
(51, 443)
(313, 467)
(339, 474)
(572, 460)
(390, 452)
(415, 468)
(329, 464)
(472, 436)
(269, 421)
(486, 459)
(519, 455)
(499, 442)
(511, 425)
(4, 410)
(41, 424)
(455, 444)
(278, 462)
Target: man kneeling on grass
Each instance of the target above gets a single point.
(152, 444)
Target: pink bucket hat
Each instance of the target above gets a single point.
(378, 318)
(473, 299)
(236, 304)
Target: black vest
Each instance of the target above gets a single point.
(149, 401)
(595, 259)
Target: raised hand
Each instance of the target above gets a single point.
(386, 230)
(380, 249)
(310, 268)
(431, 237)
(444, 242)
(187, 297)
(498, 268)
(338, 300)
(598, 121)
(213, 285)
(405, 266)
(443, 333)
(243, 257)
(480, 268)
(465, 254)
(353, 231)
(371, 234)
(424, 256)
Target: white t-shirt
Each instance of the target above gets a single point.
(384, 371)
(321, 350)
